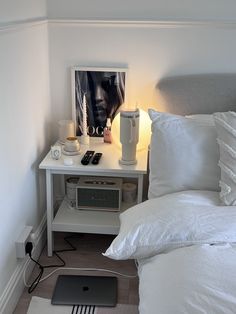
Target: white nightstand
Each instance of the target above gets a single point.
(86, 221)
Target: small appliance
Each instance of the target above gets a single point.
(99, 193)
(129, 135)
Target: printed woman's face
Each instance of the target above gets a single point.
(101, 103)
(104, 92)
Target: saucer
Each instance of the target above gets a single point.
(66, 152)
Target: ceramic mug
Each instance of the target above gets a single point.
(71, 144)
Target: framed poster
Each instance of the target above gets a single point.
(97, 94)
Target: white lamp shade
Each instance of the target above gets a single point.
(144, 130)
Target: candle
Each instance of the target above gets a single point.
(84, 116)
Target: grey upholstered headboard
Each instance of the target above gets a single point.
(192, 94)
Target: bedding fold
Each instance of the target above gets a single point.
(171, 221)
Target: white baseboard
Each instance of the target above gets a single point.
(15, 286)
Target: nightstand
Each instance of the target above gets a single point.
(69, 219)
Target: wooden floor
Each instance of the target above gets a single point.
(89, 249)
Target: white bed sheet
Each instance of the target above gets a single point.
(190, 280)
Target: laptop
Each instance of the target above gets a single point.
(85, 290)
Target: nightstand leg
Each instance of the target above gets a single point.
(50, 211)
(140, 189)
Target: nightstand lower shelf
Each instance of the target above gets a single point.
(68, 219)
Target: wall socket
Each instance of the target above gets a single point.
(23, 238)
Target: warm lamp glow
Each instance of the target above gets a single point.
(144, 130)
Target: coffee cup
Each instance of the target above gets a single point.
(71, 144)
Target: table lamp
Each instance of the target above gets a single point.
(144, 130)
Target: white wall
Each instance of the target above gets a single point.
(138, 9)
(150, 53)
(24, 136)
(15, 10)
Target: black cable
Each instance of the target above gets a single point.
(36, 280)
(42, 267)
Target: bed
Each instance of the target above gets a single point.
(184, 235)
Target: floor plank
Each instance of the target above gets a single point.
(88, 254)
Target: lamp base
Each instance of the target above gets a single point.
(127, 162)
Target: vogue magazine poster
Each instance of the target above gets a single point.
(97, 94)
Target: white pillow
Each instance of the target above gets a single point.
(171, 221)
(208, 118)
(184, 154)
(226, 129)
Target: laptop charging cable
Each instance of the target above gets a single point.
(61, 266)
(37, 280)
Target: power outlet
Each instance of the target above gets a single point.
(23, 238)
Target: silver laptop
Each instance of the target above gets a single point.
(85, 290)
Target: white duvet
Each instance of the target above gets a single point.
(184, 243)
(190, 280)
